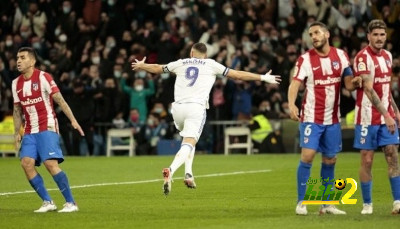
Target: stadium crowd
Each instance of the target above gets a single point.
(88, 45)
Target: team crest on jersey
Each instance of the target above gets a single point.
(305, 140)
(335, 65)
(35, 86)
(362, 140)
(388, 63)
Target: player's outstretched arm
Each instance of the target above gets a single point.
(59, 99)
(376, 102)
(248, 76)
(292, 95)
(17, 117)
(141, 65)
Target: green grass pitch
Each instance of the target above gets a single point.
(236, 191)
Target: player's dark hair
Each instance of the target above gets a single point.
(376, 24)
(200, 47)
(30, 51)
(320, 24)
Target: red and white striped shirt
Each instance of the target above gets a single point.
(34, 96)
(322, 76)
(379, 67)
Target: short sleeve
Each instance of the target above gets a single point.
(361, 65)
(48, 83)
(300, 72)
(14, 91)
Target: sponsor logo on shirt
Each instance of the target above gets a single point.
(32, 101)
(385, 79)
(329, 80)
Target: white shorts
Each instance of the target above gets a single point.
(189, 119)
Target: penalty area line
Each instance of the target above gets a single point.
(139, 182)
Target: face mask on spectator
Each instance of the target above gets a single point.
(158, 110)
(150, 122)
(142, 74)
(110, 44)
(62, 38)
(211, 3)
(282, 23)
(110, 2)
(24, 35)
(9, 43)
(66, 9)
(57, 31)
(180, 3)
(36, 45)
(360, 34)
(164, 75)
(139, 87)
(228, 11)
(95, 60)
(117, 74)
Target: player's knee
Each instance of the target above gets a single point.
(27, 164)
(329, 160)
(307, 159)
(52, 167)
(367, 162)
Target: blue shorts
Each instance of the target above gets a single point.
(326, 139)
(373, 136)
(41, 147)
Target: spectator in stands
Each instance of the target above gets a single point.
(138, 94)
(82, 104)
(34, 21)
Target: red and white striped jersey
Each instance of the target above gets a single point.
(322, 76)
(34, 96)
(379, 67)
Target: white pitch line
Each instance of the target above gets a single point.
(139, 182)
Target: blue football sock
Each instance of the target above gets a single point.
(303, 173)
(327, 173)
(62, 183)
(38, 185)
(395, 183)
(366, 189)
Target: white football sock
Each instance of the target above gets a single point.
(180, 157)
(189, 162)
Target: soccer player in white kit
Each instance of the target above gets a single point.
(195, 77)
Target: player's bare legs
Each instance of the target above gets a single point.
(391, 156)
(367, 159)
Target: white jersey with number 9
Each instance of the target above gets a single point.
(194, 78)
